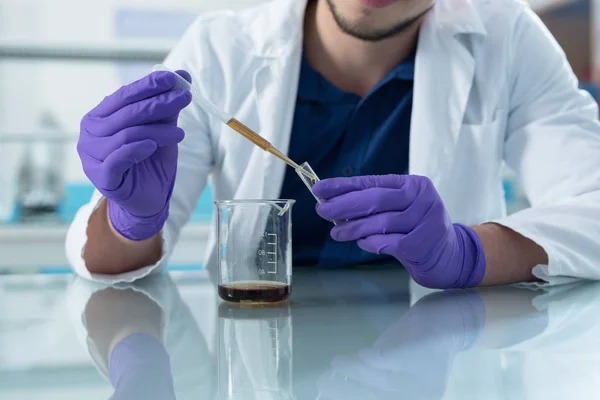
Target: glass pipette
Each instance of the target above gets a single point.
(233, 123)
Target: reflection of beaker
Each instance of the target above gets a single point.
(255, 250)
(255, 352)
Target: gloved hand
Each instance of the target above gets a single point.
(128, 149)
(403, 216)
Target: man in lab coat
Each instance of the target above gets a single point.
(411, 107)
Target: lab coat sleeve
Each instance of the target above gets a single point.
(194, 165)
(553, 143)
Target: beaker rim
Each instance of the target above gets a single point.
(254, 201)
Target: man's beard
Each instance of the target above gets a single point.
(373, 35)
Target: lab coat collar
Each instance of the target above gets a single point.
(457, 17)
(286, 24)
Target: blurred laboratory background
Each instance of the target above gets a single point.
(59, 58)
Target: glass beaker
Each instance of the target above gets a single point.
(254, 250)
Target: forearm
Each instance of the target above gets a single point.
(107, 252)
(510, 257)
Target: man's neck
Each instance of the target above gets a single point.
(350, 64)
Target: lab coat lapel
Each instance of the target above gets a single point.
(444, 72)
(275, 85)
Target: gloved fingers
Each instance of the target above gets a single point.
(163, 135)
(147, 87)
(413, 249)
(109, 174)
(101, 148)
(382, 244)
(384, 223)
(432, 226)
(156, 109)
(328, 188)
(354, 205)
(185, 75)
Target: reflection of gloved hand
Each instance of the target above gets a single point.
(126, 328)
(112, 314)
(128, 149)
(414, 356)
(403, 216)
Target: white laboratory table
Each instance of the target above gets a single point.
(17, 240)
(361, 333)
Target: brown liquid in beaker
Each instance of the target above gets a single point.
(254, 292)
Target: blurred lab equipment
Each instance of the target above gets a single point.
(255, 352)
(255, 250)
(41, 175)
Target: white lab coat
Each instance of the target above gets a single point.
(491, 86)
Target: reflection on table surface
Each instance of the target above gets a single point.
(364, 333)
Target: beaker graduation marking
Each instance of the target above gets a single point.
(273, 262)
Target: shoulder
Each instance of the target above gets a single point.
(491, 11)
(500, 21)
(511, 28)
(514, 24)
(505, 17)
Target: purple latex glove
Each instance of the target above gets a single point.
(403, 216)
(128, 149)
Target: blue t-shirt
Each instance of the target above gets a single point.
(341, 134)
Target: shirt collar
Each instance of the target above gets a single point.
(406, 69)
